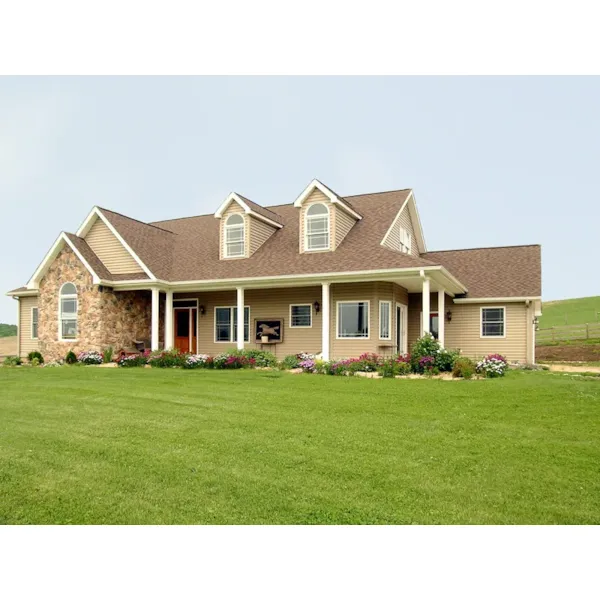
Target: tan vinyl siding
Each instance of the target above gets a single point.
(264, 304)
(234, 208)
(26, 344)
(342, 224)
(110, 250)
(403, 221)
(260, 232)
(316, 196)
(464, 330)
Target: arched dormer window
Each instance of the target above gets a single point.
(317, 227)
(235, 236)
(67, 312)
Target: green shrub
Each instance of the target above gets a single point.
(426, 346)
(445, 359)
(261, 357)
(134, 360)
(35, 362)
(463, 367)
(107, 355)
(291, 361)
(231, 360)
(12, 361)
(35, 354)
(70, 358)
(164, 359)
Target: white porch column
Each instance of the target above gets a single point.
(441, 317)
(426, 307)
(154, 335)
(240, 318)
(169, 320)
(326, 312)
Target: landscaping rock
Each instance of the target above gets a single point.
(296, 371)
(370, 375)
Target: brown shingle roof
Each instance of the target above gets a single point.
(19, 289)
(510, 271)
(261, 210)
(196, 245)
(152, 244)
(89, 255)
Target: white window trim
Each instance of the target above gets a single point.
(227, 228)
(310, 306)
(307, 218)
(389, 303)
(491, 337)
(38, 322)
(337, 319)
(231, 325)
(60, 318)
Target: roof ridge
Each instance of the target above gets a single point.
(376, 193)
(136, 220)
(484, 248)
(257, 204)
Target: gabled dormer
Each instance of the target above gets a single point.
(244, 227)
(405, 233)
(325, 218)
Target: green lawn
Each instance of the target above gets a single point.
(574, 311)
(89, 445)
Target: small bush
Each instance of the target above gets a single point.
(70, 358)
(35, 355)
(493, 365)
(291, 361)
(445, 359)
(463, 367)
(35, 362)
(197, 361)
(231, 360)
(134, 360)
(91, 357)
(368, 362)
(261, 357)
(12, 361)
(426, 346)
(165, 359)
(107, 355)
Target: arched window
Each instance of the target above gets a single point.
(317, 227)
(67, 312)
(235, 236)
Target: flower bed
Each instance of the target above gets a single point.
(493, 365)
(90, 357)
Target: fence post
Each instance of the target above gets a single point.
(553, 333)
(587, 331)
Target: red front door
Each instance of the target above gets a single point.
(185, 329)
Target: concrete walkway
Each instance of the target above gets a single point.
(574, 369)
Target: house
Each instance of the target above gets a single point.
(325, 274)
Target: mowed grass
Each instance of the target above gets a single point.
(575, 311)
(89, 445)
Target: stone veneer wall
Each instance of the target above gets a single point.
(104, 318)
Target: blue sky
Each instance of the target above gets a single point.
(492, 161)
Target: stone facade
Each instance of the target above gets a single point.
(104, 318)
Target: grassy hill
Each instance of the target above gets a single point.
(574, 311)
(7, 330)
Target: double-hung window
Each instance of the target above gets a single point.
(301, 315)
(235, 237)
(67, 312)
(317, 227)
(353, 319)
(34, 323)
(493, 322)
(385, 320)
(226, 324)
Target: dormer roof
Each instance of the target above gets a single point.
(315, 184)
(250, 208)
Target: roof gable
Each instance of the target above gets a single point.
(250, 208)
(315, 184)
(409, 206)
